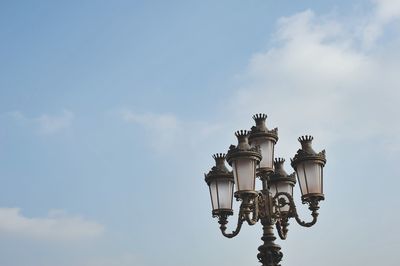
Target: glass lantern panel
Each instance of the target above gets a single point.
(244, 172)
(267, 152)
(314, 177)
(309, 175)
(301, 176)
(214, 195)
(225, 194)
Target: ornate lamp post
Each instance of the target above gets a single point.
(273, 205)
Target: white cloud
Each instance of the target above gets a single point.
(56, 226)
(45, 124)
(385, 12)
(317, 78)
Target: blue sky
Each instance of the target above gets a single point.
(110, 112)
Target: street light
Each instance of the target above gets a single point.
(253, 157)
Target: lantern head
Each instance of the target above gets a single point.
(243, 158)
(309, 169)
(220, 181)
(260, 136)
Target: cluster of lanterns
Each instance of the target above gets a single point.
(253, 157)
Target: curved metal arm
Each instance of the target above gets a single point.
(250, 207)
(313, 206)
(282, 228)
(223, 221)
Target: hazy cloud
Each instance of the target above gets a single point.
(166, 131)
(45, 124)
(56, 226)
(162, 129)
(49, 124)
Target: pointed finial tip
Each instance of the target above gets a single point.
(259, 116)
(305, 138)
(219, 156)
(241, 133)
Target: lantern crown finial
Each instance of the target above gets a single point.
(220, 161)
(278, 165)
(280, 174)
(306, 142)
(243, 139)
(218, 156)
(260, 116)
(306, 138)
(307, 153)
(260, 130)
(241, 133)
(260, 121)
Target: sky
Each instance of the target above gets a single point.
(110, 112)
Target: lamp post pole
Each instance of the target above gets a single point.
(272, 206)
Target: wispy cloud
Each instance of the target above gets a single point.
(154, 121)
(50, 124)
(45, 124)
(166, 130)
(56, 226)
(163, 129)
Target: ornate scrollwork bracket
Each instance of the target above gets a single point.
(283, 199)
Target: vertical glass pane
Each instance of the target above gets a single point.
(301, 176)
(224, 194)
(313, 172)
(244, 172)
(231, 187)
(214, 196)
(267, 152)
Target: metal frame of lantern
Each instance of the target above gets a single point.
(220, 177)
(271, 210)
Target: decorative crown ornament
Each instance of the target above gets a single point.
(218, 171)
(243, 149)
(280, 174)
(307, 153)
(260, 130)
